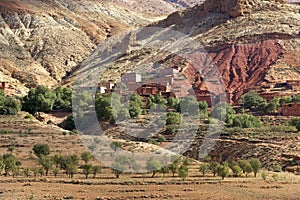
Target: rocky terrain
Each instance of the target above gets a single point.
(41, 42)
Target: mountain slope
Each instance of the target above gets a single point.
(250, 41)
(42, 41)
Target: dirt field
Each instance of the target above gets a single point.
(224, 190)
(23, 134)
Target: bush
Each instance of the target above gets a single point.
(8, 105)
(41, 149)
(161, 138)
(223, 112)
(277, 168)
(295, 122)
(246, 121)
(264, 175)
(28, 116)
(40, 99)
(275, 177)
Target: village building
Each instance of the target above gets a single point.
(293, 1)
(131, 78)
(7, 89)
(291, 109)
(282, 89)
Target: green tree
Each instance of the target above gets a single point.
(10, 163)
(41, 149)
(236, 170)
(86, 156)
(135, 98)
(252, 100)
(96, 170)
(115, 146)
(40, 99)
(183, 172)
(264, 175)
(271, 106)
(164, 170)
(45, 162)
(118, 169)
(134, 110)
(11, 148)
(256, 166)
(224, 112)
(153, 166)
(87, 169)
(204, 167)
(245, 166)
(223, 171)
(63, 99)
(213, 166)
(55, 171)
(71, 169)
(189, 105)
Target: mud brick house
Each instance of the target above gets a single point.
(3, 86)
(292, 109)
(288, 88)
(105, 87)
(131, 78)
(203, 95)
(168, 72)
(148, 89)
(8, 90)
(294, 84)
(293, 1)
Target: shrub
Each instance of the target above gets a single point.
(161, 138)
(8, 105)
(223, 112)
(277, 168)
(41, 149)
(275, 177)
(264, 175)
(246, 121)
(28, 116)
(295, 122)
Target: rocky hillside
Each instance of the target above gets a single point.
(249, 41)
(43, 41)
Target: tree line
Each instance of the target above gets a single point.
(69, 165)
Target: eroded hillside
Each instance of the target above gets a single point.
(249, 42)
(43, 41)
